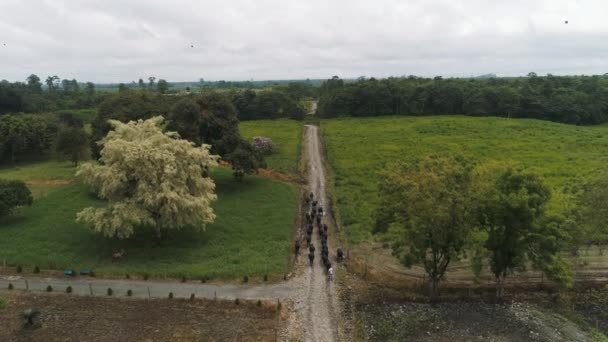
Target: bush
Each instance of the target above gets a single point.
(129, 293)
(265, 277)
(263, 145)
(36, 269)
(110, 291)
(170, 295)
(10, 286)
(68, 289)
(19, 269)
(245, 279)
(237, 301)
(49, 288)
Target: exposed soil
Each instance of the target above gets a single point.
(79, 318)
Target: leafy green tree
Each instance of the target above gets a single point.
(13, 194)
(150, 179)
(511, 211)
(22, 135)
(151, 80)
(141, 84)
(34, 84)
(72, 142)
(89, 88)
(162, 86)
(593, 212)
(426, 206)
(211, 119)
(124, 107)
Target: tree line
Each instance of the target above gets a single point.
(32, 96)
(440, 209)
(580, 100)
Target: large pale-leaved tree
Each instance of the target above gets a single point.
(150, 179)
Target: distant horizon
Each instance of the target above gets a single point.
(43, 77)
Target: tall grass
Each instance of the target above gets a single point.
(358, 149)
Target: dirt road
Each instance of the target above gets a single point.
(315, 300)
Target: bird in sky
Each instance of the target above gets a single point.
(566, 22)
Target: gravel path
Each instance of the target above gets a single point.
(315, 299)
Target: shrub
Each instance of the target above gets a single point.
(237, 301)
(10, 286)
(68, 289)
(110, 291)
(49, 288)
(245, 279)
(265, 277)
(192, 296)
(170, 295)
(129, 293)
(19, 269)
(36, 269)
(263, 145)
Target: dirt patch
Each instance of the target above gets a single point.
(76, 318)
(283, 177)
(47, 182)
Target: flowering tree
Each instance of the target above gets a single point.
(150, 179)
(263, 145)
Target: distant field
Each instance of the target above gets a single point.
(359, 148)
(40, 177)
(287, 137)
(250, 236)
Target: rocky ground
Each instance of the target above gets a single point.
(578, 316)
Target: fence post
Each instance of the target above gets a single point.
(215, 295)
(90, 289)
(27, 285)
(149, 295)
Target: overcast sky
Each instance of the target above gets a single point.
(123, 40)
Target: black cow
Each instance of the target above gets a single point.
(311, 248)
(325, 228)
(308, 239)
(340, 254)
(311, 195)
(311, 258)
(320, 210)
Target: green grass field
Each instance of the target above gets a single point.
(285, 134)
(251, 234)
(358, 149)
(41, 177)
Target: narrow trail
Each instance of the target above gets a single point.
(316, 301)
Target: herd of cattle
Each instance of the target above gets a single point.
(314, 216)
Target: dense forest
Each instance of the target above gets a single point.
(581, 100)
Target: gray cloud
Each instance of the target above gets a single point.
(120, 40)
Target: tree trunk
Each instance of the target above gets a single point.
(434, 290)
(500, 286)
(158, 234)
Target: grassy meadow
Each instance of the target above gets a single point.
(286, 136)
(250, 236)
(359, 148)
